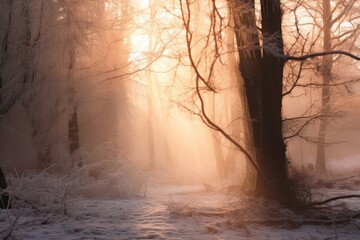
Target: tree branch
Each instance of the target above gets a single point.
(333, 199)
(205, 118)
(319, 54)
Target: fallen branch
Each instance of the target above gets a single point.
(333, 199)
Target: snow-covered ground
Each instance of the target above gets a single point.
(167, 212)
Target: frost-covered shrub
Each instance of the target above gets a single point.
(111, 177)
(104, 173)
(43, 191)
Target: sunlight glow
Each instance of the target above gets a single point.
(162, 87)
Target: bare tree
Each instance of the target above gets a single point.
(331, 20)
(264, 93)
(332, 27)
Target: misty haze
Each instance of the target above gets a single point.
(179, 119)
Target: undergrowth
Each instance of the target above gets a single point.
(104, 173)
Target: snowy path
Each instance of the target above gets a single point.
(148, 218)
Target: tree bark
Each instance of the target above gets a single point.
(263, 75)
(250, 66)
(274, 184)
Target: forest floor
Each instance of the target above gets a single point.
(176, 212)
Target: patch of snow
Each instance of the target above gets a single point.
(151, 217)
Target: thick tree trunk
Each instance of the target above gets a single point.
(28, 76)
(272, 161)
(251, 70)
(250, 64)
(325, 91)
(263, 75)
